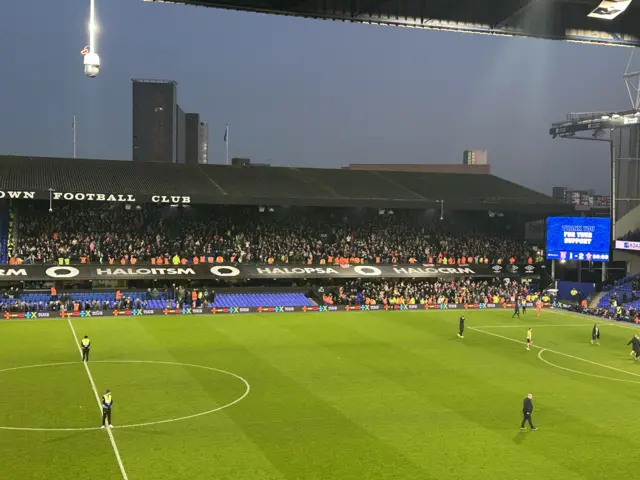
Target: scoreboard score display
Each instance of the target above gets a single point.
(578, 238)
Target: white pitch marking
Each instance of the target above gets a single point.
(520, 326)
(38, 366)
(556, 352)
(147, 424)
(188, 417)
(587, 318)
(95, 392)
(582, 373)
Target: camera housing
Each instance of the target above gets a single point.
(91, 65)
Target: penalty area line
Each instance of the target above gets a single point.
(582, 373)
(556, 352)
(95, 392)
(599, 320)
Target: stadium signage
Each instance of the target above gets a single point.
(173, 199)
(98, 197)
(144, 272)
(286, 271)
(242, 271)
(13, 272)
(434, 271)
(16, 194)
(94, 197)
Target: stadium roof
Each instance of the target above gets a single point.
(553, 19)
(38, 178)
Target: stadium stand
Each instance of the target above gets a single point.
(260, 215)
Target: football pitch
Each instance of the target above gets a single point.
(332, 396)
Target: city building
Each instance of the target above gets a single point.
(155, 121)
(474, 157)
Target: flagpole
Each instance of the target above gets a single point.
(74, 135)
(226, 144)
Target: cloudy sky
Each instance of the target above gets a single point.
(306, 93)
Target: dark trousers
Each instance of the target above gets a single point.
(526, 417)
(85, 354)
(106, 415)
(461, 330)
(517, 312)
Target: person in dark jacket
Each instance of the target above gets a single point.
(527, 410)
(461, 332)
(595, 335)
(635, 345)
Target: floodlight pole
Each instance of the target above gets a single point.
(614, 193)
(74, 135)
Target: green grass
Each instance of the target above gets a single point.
(365, 395)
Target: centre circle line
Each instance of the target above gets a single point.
(583, 373)
(133, 425)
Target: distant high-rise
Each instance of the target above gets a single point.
(197, 140)
(181, 131)
(192, 136)
(559, 193)
(203, 143)
(474, 157)
(155, 121)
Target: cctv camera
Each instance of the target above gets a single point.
(51, 210)
(91, 65)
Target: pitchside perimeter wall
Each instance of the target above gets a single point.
(265, 309)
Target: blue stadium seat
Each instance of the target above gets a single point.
(621, 287)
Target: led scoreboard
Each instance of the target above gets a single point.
(578, 238)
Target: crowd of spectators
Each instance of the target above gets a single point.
(468, 291)
(91, 233)
(631, 236)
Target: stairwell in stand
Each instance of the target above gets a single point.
(4, 234)
(593, 303)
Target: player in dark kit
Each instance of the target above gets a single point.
(635, 345)
(107, 403)
(527, 410)
(516, 310)
(86, 346)
(595, 335)
(524, 305)
(460, 333)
